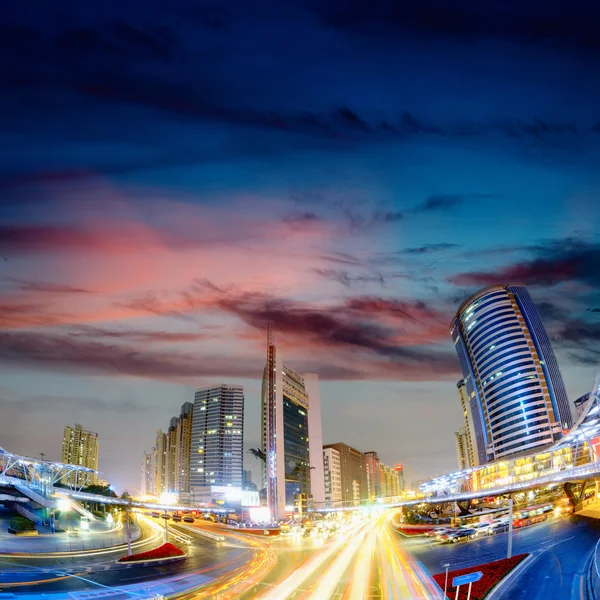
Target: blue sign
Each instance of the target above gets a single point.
(468, 578)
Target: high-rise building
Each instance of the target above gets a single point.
(333, 478)
(515, 388)
(148, 472)
(217, 438)
(287, 427)
(462, 449)
(373, 474)
(390, 486)
(170, 465)
(472, 451)
(400, 474)
(183, 450)
(80, 447)
(160, 463)
(315, 442)
(353, 473)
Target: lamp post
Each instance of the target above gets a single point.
(510, 527)
(446, 566)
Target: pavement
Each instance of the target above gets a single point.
(559, 547)
(100, 535)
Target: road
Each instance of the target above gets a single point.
(366, 561)
(560, 548)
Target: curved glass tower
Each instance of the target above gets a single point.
(517, 394)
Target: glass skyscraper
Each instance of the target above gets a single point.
(217, 453)
(518, 401)
(290, 418)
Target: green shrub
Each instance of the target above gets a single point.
(21, 524)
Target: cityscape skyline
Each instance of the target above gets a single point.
(249, 462)
(353, 206)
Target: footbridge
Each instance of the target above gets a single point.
(573, 461)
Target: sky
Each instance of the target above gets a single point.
(177, 175)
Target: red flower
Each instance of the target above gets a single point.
(493, 573)
(164, 551)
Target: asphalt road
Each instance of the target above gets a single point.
(560, 548)
(21, 575)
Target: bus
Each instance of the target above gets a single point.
(532, 514)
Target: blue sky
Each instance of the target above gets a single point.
(182, 173)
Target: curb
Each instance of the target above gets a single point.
(516, 570)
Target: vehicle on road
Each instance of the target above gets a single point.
(176, 518)
(499, 527)
(461, 534)
(188, 519)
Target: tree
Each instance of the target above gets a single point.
(126, 495)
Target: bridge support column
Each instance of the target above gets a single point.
(463, 507)
(575, 493)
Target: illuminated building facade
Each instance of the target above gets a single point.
(472, 452)
(217, 442)
(333, 478)
(462, 448)
(516, 391)
(80, 447)
(147, 484)
(160, 463)
(353, 472)
(287, 434)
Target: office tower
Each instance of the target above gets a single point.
(217, 438)
(333, 478)
(80, 447)
(147, 484)
(286, 431)
(400, 475)
(353, 473)
(471, 448)
(183, 450)
(315, 439)
(373, 475)
(390, 486)
(517, 395)
(160, 462)
(170, 468)
(580, 403)
(462, 449)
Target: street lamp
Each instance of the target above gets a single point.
(446, 566)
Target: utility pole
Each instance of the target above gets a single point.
(510, 527)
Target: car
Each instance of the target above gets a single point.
(188, 519)
(498, 527)
(442, 537)
(435, 531)
(461, 534)
(176, 518)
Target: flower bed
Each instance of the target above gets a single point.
(164, 551)
(493, 573)
(414, 529)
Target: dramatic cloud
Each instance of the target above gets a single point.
(553, 263)
(44, 286)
